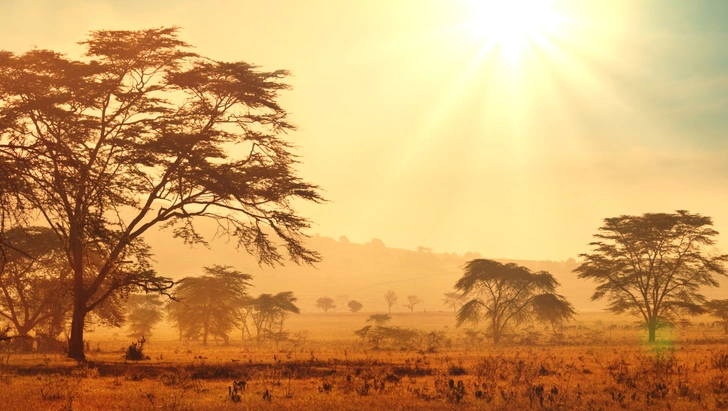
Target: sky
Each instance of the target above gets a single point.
(461, 126)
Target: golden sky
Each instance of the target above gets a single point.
(463, 126)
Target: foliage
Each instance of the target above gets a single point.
(209, 304)
(391, 298)
(325, 303)
(144, 312)
(412, 300)
(379, 319)
(453, 300)
(135, 351)
(654, 265)
(268, 313)
(36, 280)
(355, 306)
(136, 135)
(719, 309)
(506, 295)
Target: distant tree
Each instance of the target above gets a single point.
(136, 135)
(453, 300)
(325, 303)
(412, 300)
(36, 280)
(391, 298)
(209, 304)
(268, 312)
(355, 306)
(145, 311)
(719, 309)
(654, 265)
(553, 310)
(505, 295)
(379, 319)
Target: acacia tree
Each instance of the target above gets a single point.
(35, 279)
(506, 295)
(144, 313)
(453, 300)
(719, 309)
(654, 265)
(209, 304)
(412, 300)
(325, 303)
(268, 312)
(391, 298)
(142, 133)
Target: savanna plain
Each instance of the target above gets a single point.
(598, 362)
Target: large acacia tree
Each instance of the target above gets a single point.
(505, 295)
(141, 133)
(653, 266)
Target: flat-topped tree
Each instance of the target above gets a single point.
(654, 265)
(142, 133)
(506, 295)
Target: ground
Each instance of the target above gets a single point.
(599, 363)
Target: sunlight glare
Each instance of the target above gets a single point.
(512, 24)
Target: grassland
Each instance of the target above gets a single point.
(599, 363)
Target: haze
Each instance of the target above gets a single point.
(421, 137)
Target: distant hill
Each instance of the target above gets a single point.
(359, 271)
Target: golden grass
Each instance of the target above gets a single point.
(602, 364)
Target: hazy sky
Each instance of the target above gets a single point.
(425, 130)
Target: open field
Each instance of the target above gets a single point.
(600, 363)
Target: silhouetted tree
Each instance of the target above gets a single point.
(209, 304)
(412, 300)
(553, 310)
(268, 312)
(144, 313)
(325, 303)
(136, 135)
(505, 295)
(379, 319)
(355, 306)
(35, 282)
(719, 309)
(391, 298)
(453, 300)
(653, 265)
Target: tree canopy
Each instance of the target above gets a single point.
(139, 133)
(506, 295)
(654, 265)
(209, 304)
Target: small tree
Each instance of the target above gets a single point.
(391, 298)
(412, 300)
(506, 295)
(209, 304)
(453, 300)
(355, 306)
(719, 309)
(325, 303)
(144, 313)
(379, 319)
(268, 312)
(654, 265)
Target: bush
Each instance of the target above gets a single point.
(135, 352)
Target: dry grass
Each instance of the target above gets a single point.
(599, 365)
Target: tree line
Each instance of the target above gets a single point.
(142, 133)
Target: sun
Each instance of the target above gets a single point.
(512, 25)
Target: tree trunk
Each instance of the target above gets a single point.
(75, 343)
(725, 326)
(652, 326)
